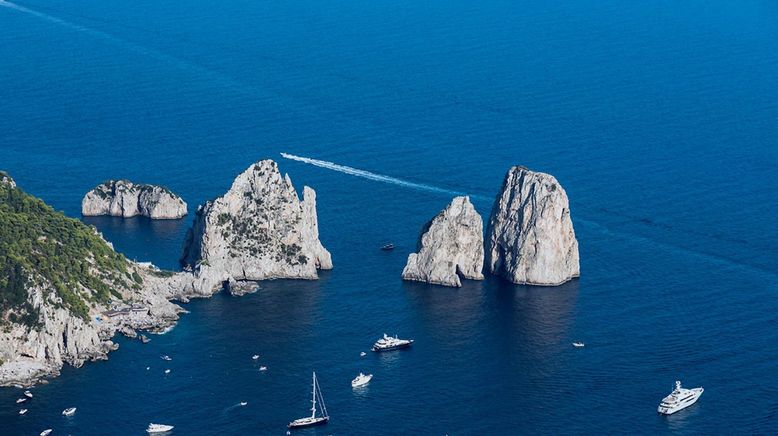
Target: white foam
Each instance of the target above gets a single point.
(370, 175)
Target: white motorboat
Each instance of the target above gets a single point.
(389, 343)
(310, 421)
(21, 400)
(255, 357)
(243, 403)
(46, 432)
(263, 368)
(362, 354)
(679, 399)
(165, 357)
(22, 412)
(361, 380)
(28, 394)
(167, 371)
(578, 344)
(158, 428)
(70, 411)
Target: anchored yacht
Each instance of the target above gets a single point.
(158, 428)
(28, 394)
(679, 399)
(70, 411)
(310, 421)
(361, 380)
(389, 343)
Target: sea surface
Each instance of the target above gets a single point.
(660, 119)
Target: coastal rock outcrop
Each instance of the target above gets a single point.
(450, 245)
(126, 199)
(258, 230)
(64, 291)
(530, 237)
(6, 179)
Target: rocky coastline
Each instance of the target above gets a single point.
(125, 199)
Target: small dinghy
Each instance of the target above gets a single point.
(310, 421)
(361, 380)
(22, 412)
(145, 339)
(28, 394)
(578, 344)
(70, 411)
(263, 368)
(167, 371)
(158, 428)
(362, 354)
(255, 357)
(165, 357)
(21, 400)
(46, 432)
(388, 247)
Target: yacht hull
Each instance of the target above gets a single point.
(677, 408)
(308, 422)
(391, 348)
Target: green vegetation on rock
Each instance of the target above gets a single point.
(40, 246)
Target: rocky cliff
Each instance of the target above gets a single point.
(530, 237)
(258, 230)
(59, 279)
(126, 199)
(450, 245)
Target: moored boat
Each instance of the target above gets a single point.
(70, 411)
(389, 343)
(361, 380)
(310, 421)
(578, 344)
(28, 394)
(46, 432)
(679, 399)
(158, 428)
(388, 247)
(22, 412)
(21, 400)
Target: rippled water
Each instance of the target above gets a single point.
(658, 118)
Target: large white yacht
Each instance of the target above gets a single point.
(310, 421)
(679, 399)
(158, 428)
(389, 343)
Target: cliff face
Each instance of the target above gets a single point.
(58, 277)
(530, 237)
(125, 199)
(258, 230)
(450, 245)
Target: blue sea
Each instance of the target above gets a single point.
(660, 119)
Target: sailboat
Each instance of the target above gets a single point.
(312, 420)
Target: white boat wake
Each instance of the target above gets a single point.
(372, 176)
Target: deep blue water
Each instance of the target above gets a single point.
(659, 118)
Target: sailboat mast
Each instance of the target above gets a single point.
(313, 405)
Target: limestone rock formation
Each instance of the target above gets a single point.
(126, 199)
(6, 179)
(530, 237)
(258, 230)
(450, 245)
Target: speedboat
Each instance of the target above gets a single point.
(361, 380)
(362, 354)
(46, 432)
(679, 399)
(28, 394)
(263, 368)
(158, 428)
(389, 343)
(578, 344)
(165, 357)
(310, 421)
(70, 411)
(21, 400)
(22, 412)
(167, 371)
(255, 357)
(243, 403)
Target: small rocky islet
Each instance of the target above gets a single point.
(258, 230)
(125, 199)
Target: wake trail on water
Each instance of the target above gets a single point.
(374, 176)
